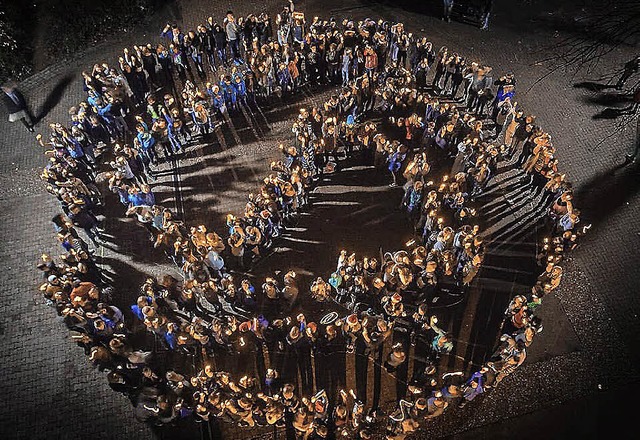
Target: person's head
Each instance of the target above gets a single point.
(287, 391)
(9, 87)
(99, 325)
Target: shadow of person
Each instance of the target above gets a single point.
(608, 113)
(607, 191)
(612, 113)
(54, 96)
(609, 99)
(593, 86)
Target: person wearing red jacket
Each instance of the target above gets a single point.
(370, 61)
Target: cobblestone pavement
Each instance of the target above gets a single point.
(587, 352)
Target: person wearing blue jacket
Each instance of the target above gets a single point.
(284, 78)
(218, 99)
(173, 132)
(147, 143)
(240, 88)
(229, 92)
(115, 124)
(473, 387)
(395, 163)
(173, 34)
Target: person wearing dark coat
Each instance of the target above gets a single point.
(220, 38)
(331, 361)
(486, 12)
(17, 106)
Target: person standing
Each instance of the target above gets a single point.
(220, 37)
(361, 363)
(630, 68)
(17, 106)
(233, 34)
(448, 7)
(336, 359)
(631, 158)
(147, 143)
(486, 12)
(375, 343)
(83, 218)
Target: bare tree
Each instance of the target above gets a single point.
(603, 27)
(600, 28)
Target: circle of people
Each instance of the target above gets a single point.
(211, 313)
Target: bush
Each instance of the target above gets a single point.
(67, 26)
(15, 50)
(74, 24)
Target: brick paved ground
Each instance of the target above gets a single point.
(588, 348)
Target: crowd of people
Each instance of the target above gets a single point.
(259, 360)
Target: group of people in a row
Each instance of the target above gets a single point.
(212, 312)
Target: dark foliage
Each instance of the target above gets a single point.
(67, 26)
(15, 37)
(74, 24)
